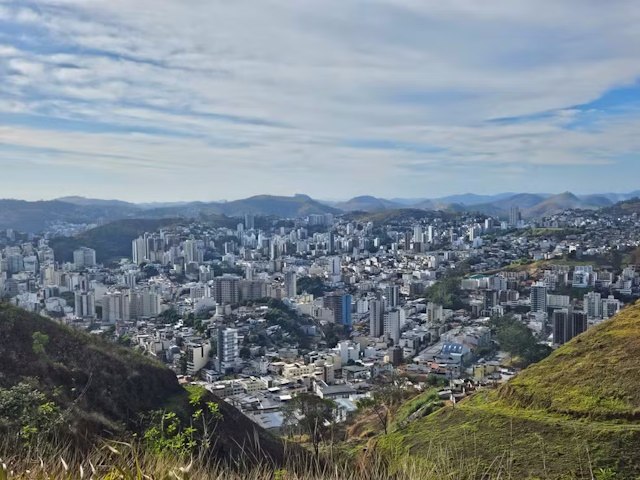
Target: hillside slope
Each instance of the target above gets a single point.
(576, 411)
(105, 390)
(111, 241)
(367, 203)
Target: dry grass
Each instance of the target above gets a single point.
(124, 461)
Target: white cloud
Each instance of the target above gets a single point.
(225, 88)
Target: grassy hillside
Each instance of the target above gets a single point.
(96, 390)
(574, 413)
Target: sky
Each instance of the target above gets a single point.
(173, 100)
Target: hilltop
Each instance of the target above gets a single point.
(33, 217)
(579, 407)
(105, 391)
(627, 207)
(367, 203)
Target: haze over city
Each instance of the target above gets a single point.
(156, 100)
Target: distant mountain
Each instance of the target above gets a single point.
(33, 217)
(470, 199)
(559, 203)
(599, 201)
(288, 207)
(621, 197)
(82, 201)
(438, 205)
(367, 204)
(628, 207)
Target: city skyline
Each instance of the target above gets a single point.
(152, 101)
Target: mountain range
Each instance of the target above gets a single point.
(35, 216)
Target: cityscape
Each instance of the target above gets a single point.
(275, 307)
(337, 240)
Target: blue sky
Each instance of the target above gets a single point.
(159, 100)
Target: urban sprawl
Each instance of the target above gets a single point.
(325, 305)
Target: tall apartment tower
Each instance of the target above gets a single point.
(539, 298)
(515, 216)
(392, 293)
(376, 318)
(291, 284)
(228, 350)
(568, 323)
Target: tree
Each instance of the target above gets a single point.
(245, 352)
(518, 340)
(40, 341)
(388, 393)
(446, 292)
(310, 415)
(169, 316)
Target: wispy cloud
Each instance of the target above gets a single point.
(224, 99)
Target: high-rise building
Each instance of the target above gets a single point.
(145, 304)
(567, 324)
(228, 349)
(85, 304)
(392, 325)
(431, 234)
(226, 289)
(84, 257)
(515, 216)
(331, 243)
(116, 307)
(193, 251)
(340, 305)
(417, 234)
(139, 251)
(291, 284)
(249, 221)
(539, 298)
(610, 306)
(197, 356)
(593, 305)
(376, 318)
(392, 294)
(252, 289)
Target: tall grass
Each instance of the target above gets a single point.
(126, 461)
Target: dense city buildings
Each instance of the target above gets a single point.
(273, 307)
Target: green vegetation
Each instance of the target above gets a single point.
(572, 415)
(388, 393)
(313, 285)
(312, 416)
(111, 241)
(515, 338)
(62, 386)
(446, 292)
(289, 321)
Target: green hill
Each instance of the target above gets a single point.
(628, 207)
(96, 390)
(572, 414)
(111, 241)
